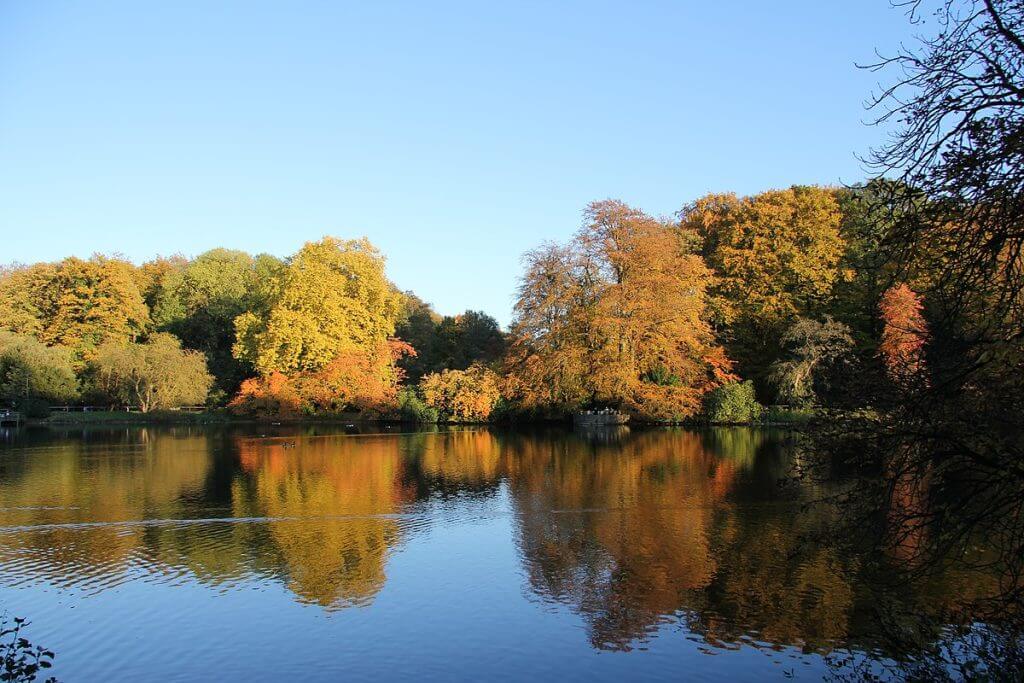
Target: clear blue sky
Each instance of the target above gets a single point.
(454, 136)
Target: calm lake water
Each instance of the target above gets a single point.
(281, 553)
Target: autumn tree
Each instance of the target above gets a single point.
(904, 335)
(21, 297)
(273, 394)
(325, 328)
(75, 303)
(462, 395)
(152, 375)
(331, 297)
(365, 381)
(776, 256)
(547, 363)
(618, 317)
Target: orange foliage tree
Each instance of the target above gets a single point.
(355, 380)
(271, 394)
(904, 334)
(617, 317)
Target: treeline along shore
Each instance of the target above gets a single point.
(783, 299)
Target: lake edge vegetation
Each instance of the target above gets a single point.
(775, 298)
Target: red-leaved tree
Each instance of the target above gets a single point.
(903, 336)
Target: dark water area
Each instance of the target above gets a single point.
(265, 554)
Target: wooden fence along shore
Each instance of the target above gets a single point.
(120, 409)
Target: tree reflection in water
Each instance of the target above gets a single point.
(302, 486)
(635, 532)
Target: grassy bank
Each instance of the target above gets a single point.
(125, 417)
(215, 416)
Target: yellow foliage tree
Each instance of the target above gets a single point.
(776, 256)
(75, 303)
(776, 253)
(462, 395)
(332, 298)
(20, 297)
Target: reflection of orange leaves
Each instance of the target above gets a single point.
(632, 530)
(249, 458)
(466, 458)
(723, 479)
(908, 511)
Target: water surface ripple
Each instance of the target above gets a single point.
(301, 553)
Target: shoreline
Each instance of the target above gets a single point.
(219, 417)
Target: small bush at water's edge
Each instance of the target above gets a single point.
(732, 404)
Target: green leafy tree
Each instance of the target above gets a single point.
(478, 339)
(811, 349)
(154, 375)
(412, 408)
(733, 403)
(449, 342)
(417, 326)
(152, 277)
(199, 302)
(31, 370)
(870, 213)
